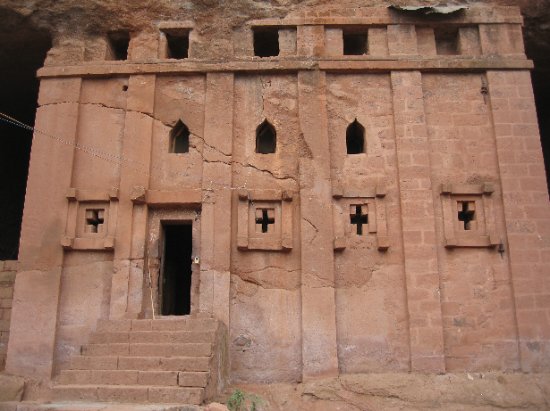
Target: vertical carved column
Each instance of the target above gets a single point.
(127, 282)
(37, 286)
(319, 352)
(216, 207)
(421, 265)
(526, 211)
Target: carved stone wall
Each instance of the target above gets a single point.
(8, 270)
(397, 221)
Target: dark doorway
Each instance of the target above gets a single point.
(23, 49)
(176, 270)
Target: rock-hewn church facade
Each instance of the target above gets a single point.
(342, 190)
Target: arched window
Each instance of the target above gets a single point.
(355, 138)
(266, 138)
(179, 138)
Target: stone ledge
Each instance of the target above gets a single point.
(9, 265)
(274, 64)
(97, 406)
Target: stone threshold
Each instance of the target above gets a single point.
(336, 65)
(92, 406)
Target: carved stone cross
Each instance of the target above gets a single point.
(466, 213)
(358, 218)
(265, 217)
(94, 219)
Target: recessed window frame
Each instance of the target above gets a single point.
(483, 233)
(179, 138)
(355, 138)
(118, 43)
(264, 131)
(447, 40)
(266, 41)
(174, 38)
(355, 41)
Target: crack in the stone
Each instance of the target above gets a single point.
(265, 284)
(57, 103)
(104, 106)
(265, 171)
(229, 162)
(270, 267)
(126, 110)
(210, 146)
(263, 86)
(314, 227)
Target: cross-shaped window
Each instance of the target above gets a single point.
(358, 218)
(94, 219)
(466, 213)
(264, 218)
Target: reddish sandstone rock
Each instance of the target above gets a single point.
(11, 387)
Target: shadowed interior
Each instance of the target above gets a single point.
(176, 275)
(23, 49)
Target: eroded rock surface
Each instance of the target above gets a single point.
(66, 18)
(11, 387)
(413, 392)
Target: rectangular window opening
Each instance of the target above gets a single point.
(177, 44)
(355, 43)
(119, 42)
(266, 42)
(176, 269)
(446, 40)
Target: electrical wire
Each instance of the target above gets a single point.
(106, 156)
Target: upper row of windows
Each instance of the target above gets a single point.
(177, 44)
(267, 42)
(266, 138)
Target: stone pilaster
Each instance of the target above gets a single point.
(526, 211)
(127, 282)
(216, 185)
(37, 286)
(319, 352)
(417, 219)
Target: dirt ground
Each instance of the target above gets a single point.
(352, 392)
(403, 391)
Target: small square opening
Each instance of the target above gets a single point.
(118, 45)
(446, 40)
(266, 42)
(355, 43)
(177, 44)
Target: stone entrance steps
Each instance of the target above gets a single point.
(167, 360)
